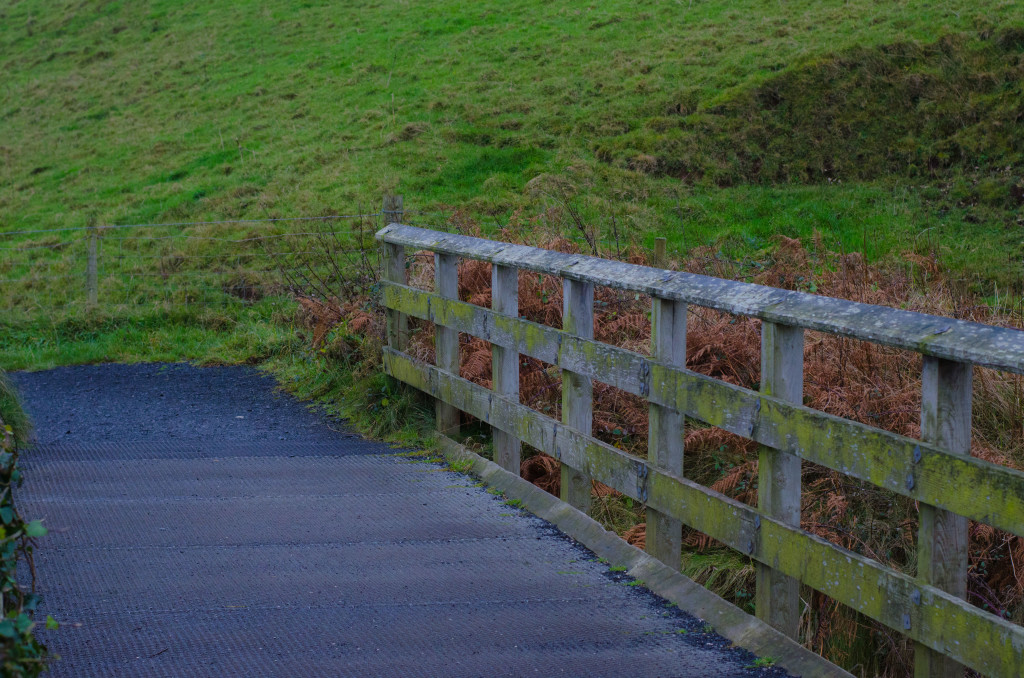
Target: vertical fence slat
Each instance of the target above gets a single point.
(394, 271)
(505, 362)
(778, 491)
(446, 339)
(577, 390)
(665, 439)
(942, 538)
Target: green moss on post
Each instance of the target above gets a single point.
(577, 390)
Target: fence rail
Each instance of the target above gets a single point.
(937, 471)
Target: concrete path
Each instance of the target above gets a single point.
(242, 536)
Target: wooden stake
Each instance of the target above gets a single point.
(665, 441)
(577, 390)
(660, 252)
(505, 362)
(92, 270)
(942, 537)
(777, 599)
(446, 339)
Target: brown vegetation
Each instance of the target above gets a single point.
(868, 383)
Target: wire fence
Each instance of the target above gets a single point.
(227, 263)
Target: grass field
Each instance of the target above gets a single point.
(885, 128)
(695, 120)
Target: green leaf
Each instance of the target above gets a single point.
(6, 514)
(7, 628)
(35, 529)
(23, 623)
(51, 623)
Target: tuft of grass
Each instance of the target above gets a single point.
(460, 465)
(12, 413)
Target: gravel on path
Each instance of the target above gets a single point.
(187, 541)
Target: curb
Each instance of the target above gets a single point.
(728, 620)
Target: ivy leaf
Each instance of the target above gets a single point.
(51, 623)
(6, 514)
(7, 628)
(24, 623)
(35, 529)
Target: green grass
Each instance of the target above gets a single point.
(201, 335)
(665, 116)
(11, 412)
(880, 127)
(761, 663)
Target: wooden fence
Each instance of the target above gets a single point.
(951, 486)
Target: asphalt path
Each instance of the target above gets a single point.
(202, 523)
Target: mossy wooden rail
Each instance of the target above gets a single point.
(937, 470)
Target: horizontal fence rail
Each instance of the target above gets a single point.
(937, 470)
(996, 347)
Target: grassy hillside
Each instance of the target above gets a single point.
(894, 129)
(872, 122)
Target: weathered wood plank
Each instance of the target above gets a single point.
(393, 257)
(986, 345)
(505, 362)
(665, 429)
(660, 252)
(942, 546)
(777, 597)
(577, 389)
(392, 209)
(446, 339)
(982, 641)
(917, 469)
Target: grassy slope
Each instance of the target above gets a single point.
(120, 112)
(158, 111)
(139, 112)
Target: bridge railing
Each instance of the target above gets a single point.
(937, 471)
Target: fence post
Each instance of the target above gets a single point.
(446, 339)
(92, 268)
(942, 536)
(505, 362)
(665, 438)
(777, 599)
(660, 252)
(392, 209)
(394, 271)
(577, 390)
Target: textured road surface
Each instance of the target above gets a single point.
(202, 524)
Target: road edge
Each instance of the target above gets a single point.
(744, 630)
